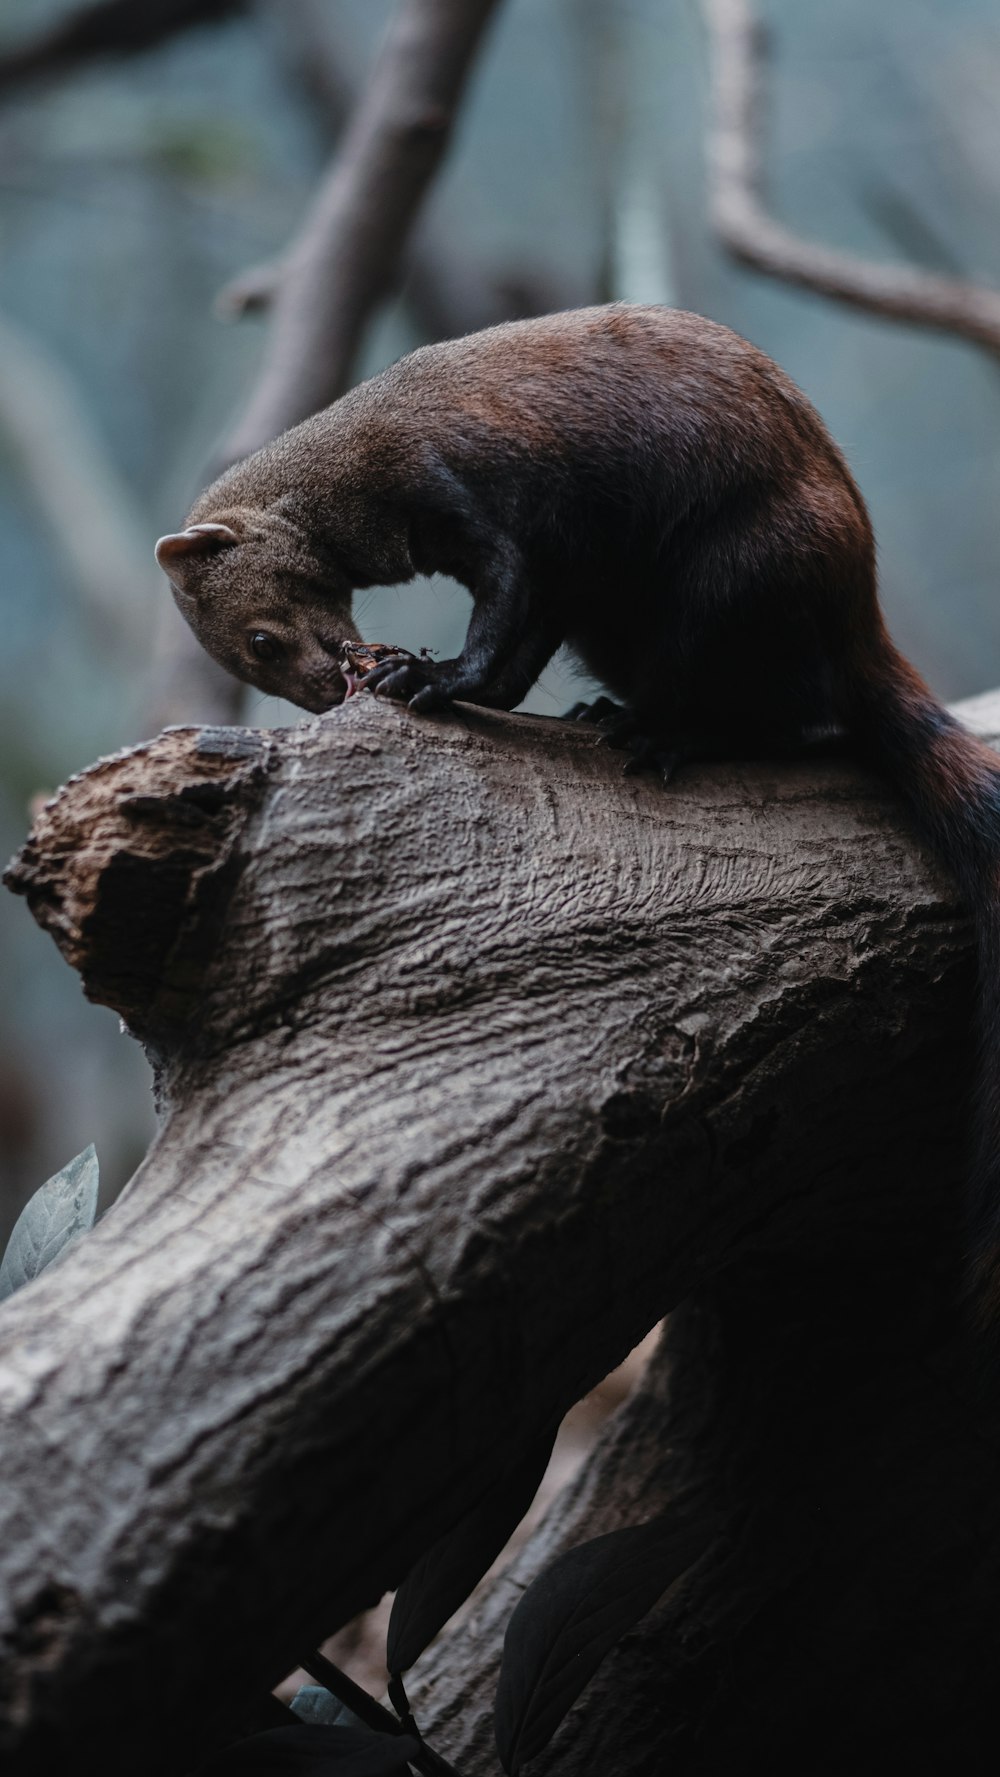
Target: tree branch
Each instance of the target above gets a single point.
(474, 1058)
(350, 247)
(819, 1403)
(752, 235)
(448, 292)
(87, 505)
(110, 28)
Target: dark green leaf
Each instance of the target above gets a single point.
(304, 1750)
(572, 1616)
(59, 1212)
(443, 1578)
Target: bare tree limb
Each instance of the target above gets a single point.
(110, 28)
(449, 294)
(448, 291)
(87, 504)
(475, 1057)
(85, 501)
(351, 245)
(752, 235)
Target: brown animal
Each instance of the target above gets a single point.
(626, 468)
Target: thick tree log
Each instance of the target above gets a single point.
(475, 1058)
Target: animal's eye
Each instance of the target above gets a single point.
(264, 646)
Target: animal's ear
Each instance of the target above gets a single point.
(198, 539)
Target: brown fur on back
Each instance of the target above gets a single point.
(634, 470)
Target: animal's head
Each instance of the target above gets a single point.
(263, 602)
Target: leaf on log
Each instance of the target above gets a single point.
(57, 1214)
(443, 1577)
(313, 1703)
(573, 1614)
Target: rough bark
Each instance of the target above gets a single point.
(476, 1058)
(747, 229)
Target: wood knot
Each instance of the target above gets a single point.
(131, 864)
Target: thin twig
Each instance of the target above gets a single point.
(752, 235)
(371, 1713)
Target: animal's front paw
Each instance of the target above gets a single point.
(413, 681)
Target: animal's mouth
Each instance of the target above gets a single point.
(336, 691)
(347, 679)
(355, 660)
(338, 679)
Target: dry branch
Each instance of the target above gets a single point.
(110, 28)
(448, 291)
(67, 466)
(89, 507)
(475, 1058)
(752, 235)
(351, 245)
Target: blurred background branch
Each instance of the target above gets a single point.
(448, 289)
(49, 432)
(342, 264)
(111, 28)
(751, 234)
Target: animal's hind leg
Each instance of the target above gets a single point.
(620, 728)
(740, 667)
(603, 709)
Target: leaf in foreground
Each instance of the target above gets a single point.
(443, 1578)
(314, 1703)
(303, 1750)
(59, 1212)
(572, 1615)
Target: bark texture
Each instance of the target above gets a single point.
(475, 1058)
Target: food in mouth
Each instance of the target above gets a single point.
(360, 658)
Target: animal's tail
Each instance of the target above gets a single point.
(951, 781)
